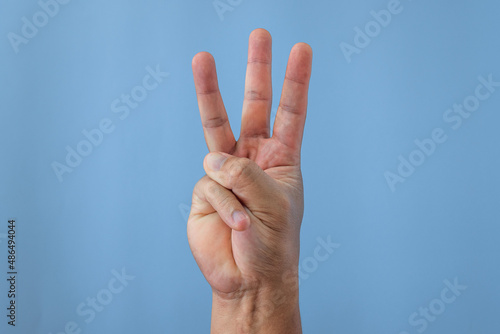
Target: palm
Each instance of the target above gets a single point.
(227, 257)
(266, 152)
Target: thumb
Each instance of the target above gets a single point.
(254, 188)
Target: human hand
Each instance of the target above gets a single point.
(246, 213)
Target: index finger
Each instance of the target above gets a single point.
(216, 128)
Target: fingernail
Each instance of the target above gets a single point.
(215, 161)
(239, 218)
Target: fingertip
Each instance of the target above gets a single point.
(300, 63)
(214, 161)
(304, 50)
(304, 45)
(260, 33)
(241, 221)
(202, 58)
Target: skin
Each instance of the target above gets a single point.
(244, 225)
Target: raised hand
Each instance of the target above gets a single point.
(246, 213)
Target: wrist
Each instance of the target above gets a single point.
(273, 308)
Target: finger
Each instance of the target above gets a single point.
(258, 86)
(210, 241)
(255, 189)
(216, 128)
(291, 116)
(224, 202)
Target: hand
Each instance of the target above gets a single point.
(246, 213)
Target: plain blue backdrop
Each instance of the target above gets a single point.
(124, 206)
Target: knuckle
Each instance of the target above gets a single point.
(239, 169)
(215, 122)
(226, 203)
(221, 199)
(200, 182)
(256, 95)
(212, 189)
(199, 188)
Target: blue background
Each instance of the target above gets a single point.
(125, 205)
